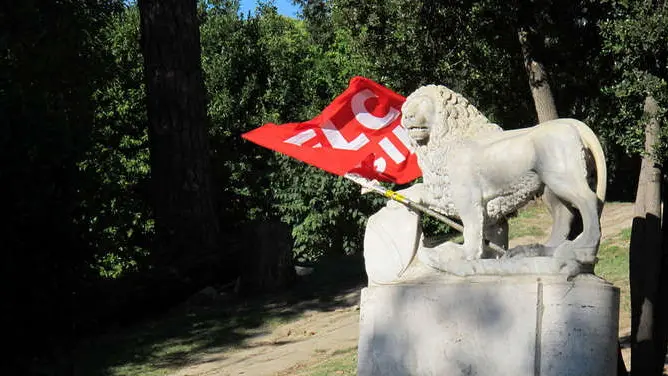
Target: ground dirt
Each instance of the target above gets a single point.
(290, 348)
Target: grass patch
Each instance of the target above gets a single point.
(625, 234)
(613, 265)
(531, 220)
(341, 362)
(526, 230)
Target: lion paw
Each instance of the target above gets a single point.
(440, 255)
(569, 250)
(528, 250)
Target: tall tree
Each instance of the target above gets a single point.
(539, 84)
(645, 256)
(186, 222)
(530, 16)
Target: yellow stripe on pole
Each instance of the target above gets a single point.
(395, 196)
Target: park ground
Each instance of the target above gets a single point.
(309, 331)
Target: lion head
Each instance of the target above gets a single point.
(435, 113)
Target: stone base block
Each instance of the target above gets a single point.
(514, 326)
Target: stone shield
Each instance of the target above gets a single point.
(390, 242)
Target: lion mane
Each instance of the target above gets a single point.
(454, 117)
(454, 120)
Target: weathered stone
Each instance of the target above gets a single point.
(474, 170)
(521, 325)
(390, 241)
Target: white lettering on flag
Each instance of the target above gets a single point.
(380, 164)
(367, 119)
(391, 150)
(337, 140)
(300, 138)
(402, 135)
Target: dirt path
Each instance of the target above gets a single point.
(288, 347)
(616, 217)
(318, 334)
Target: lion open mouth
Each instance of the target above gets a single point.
(418, 133)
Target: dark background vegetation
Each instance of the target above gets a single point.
(80, 249)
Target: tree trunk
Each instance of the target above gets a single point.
(267, 265)
(544, 103)
(646, 257)
(661, 327)
(538, 82)
(186, 222)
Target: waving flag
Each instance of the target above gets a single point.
(359, 132)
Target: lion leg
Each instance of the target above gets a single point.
(469, 206)
(583, 248)
(472, 249)
(562, 216)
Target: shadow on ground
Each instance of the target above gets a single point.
(166, 343)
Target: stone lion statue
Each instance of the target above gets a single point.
(474, 170)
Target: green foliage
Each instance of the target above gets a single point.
(266, 69)
(467, 46)
(51, 61)
(269, 68)
(328, 213)
(116, 210)
(637, 39)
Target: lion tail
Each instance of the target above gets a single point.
(592, 143)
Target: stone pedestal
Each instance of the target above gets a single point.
(501, 326)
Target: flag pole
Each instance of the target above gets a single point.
(371, 186)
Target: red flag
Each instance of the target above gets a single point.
(359, 132)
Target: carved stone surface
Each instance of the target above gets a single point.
(486, 325)
(390, 241)
(459, 309)
(474, 170)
